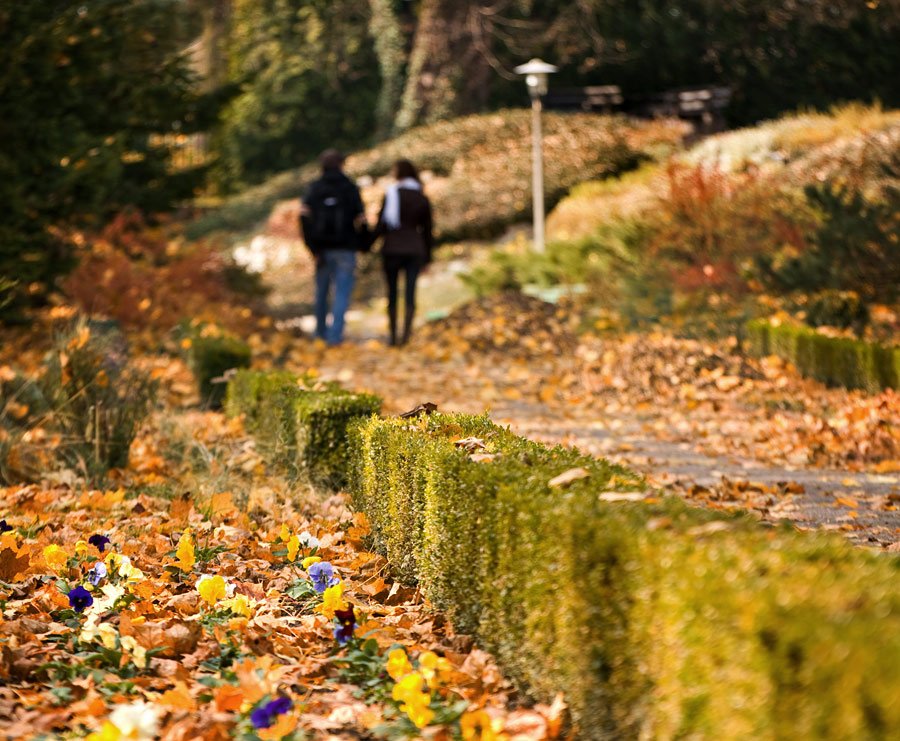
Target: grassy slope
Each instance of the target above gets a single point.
(796, 148)
(480, 168)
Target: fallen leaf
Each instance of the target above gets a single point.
(567, 477)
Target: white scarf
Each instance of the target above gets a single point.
(391, 214)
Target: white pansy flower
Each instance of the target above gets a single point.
(138, 652)
(308, 541)
(107, 634)
(137, 721)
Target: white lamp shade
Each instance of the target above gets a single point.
(536, 67)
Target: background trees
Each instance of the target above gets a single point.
(94, 94)
(88, 91)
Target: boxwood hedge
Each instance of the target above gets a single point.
(836, 361)
(299, 421)
(657, 620)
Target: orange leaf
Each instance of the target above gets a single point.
(228, 698)
(180, 698)
(282, 727)
(12, 564)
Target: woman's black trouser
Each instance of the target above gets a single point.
(393, 265)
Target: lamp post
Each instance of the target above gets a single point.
(536, 72)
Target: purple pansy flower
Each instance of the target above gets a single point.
(101, 541)
(347, 620)
(97, 573)
(80, 598)
(265, 716)
(322, 575)
(5, 527)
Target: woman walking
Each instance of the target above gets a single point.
(405, 222)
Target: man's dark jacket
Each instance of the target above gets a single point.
(333, 183)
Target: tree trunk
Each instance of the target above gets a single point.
(390, 46)
(212, 60)
(449, 70)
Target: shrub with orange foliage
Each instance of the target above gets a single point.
(146, 277)
(708, 223)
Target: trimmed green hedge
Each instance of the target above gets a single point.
(657, 620)
(836, 361)
(211, 352)
(299, 421)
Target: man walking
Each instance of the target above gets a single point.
(331, 212)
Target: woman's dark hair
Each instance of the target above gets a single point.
(406, 169)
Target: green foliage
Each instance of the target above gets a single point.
(855, 248)
(842, 309)
(212, 352)
(87, 89)
(775, 56)
(309, 80)
(300, 422)
(836, 361)
(600, 263)
(657, 620)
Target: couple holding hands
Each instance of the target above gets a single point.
(334, 227)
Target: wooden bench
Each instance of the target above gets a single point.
(703, 105)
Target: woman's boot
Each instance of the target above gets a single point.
(392, 320)
(407, 326)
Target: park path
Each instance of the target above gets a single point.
(774, 446)
(696, 418)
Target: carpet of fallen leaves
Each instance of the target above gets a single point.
(180, 602)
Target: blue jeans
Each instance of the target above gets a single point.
(338, 267)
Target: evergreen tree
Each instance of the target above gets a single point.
(86, 88)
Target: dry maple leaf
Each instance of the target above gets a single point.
(12, 564)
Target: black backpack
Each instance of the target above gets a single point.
(331, 221)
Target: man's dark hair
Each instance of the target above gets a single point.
(405, 169)
(331, 159)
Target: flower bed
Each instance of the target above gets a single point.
(300, 421)
(835, 361)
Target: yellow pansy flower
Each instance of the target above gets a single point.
(408, 691)
(398, 664)
(434, 668)
(477, 725)
(55, 557)
(333, 600)
(240, 604)
(309, 561)
(81, 548)
(185, 552)
(211, 588)
(420, 715)
(293, 548)
(108, 732)
(285, 534)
